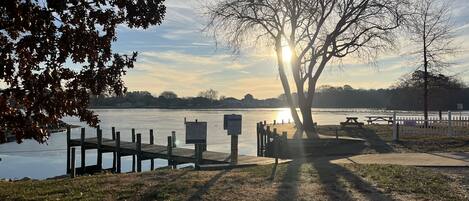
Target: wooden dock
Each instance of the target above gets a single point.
(150, 151)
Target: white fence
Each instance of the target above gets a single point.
(448, 125)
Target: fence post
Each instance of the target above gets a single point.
(394, 127)
(450, 124)
(396, 138)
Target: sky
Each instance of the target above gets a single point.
(178, 56)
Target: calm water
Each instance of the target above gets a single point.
(40, 161)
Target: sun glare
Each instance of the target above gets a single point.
(286, 54)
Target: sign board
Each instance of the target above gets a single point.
(232, 123)
(460, 106)
(196, 132)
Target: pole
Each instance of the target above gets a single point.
(118, 152)
(234, 149)
(68, 149)
(83, 151)
(139, 152)
(73, 170)
(152, 141)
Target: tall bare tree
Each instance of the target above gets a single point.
(315, 31)
(430, 29)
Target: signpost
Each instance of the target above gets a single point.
(196, 133)
(232, 123)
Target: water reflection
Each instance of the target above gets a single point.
(34, 160)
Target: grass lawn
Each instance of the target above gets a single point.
(379, 139)
(299, 180)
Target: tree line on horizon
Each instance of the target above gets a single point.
(445, 93)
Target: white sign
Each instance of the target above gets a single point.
(460, 106)
(196, 132)
(232, 123)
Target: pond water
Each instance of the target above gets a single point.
(40, 161)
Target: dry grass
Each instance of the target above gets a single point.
(300, 180)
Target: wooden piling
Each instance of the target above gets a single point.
(99, 161)
(118, 152)
(83, 150)
(113, 131)
(258, 142)
(68, 148)
(152, 141)
(73, 169)
(139, 152)
(133, 156)
(284, 145)
(173, 138)
(169, 151)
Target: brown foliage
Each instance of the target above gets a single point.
(40, 38)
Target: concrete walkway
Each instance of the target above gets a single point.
(460, 159)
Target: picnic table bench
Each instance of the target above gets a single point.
(372, 119)
(352, 121)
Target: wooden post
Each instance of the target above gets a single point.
(73, 170)
(169, 150)
(262, 140)
(173, 138)
(284, 145)
(118, 152)
(83, 150)
(152, 141)
(275, 121)
(276, 146)
(258, 142)
(234, 149)
(68, 148)
(113, 131)
(139, 152)
(336, 133)
(133, 155)
(99, 161)
(197, 156)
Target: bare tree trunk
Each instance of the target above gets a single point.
(286, 88)
(425, 76)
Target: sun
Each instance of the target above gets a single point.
(286, 54)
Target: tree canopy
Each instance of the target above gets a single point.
(41, 39)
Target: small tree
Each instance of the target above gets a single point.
(168, 95)
(40, 38)
(430, 29)
(306, 36)
(209, 94)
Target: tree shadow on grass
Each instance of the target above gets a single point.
(203, 189)
(376, 142)
(334, 179)
(288, 189)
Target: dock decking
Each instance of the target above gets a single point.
(144, 151)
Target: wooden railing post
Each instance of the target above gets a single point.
(118, 152)
(99, 161)
(83, 151)
(152, 141)
(113, 132)
(139, 152)
(173, 138)
(169, 151)
(133, 155)
(73, 169)
(68, 148)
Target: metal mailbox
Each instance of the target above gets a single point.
(196, 132)
(232, 123)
